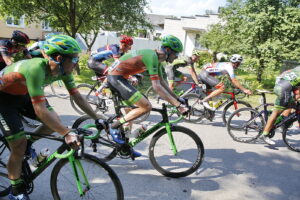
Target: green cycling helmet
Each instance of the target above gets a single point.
(173, 42)
(196, 52)
(61, 44)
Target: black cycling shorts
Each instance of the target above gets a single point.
(11, 109)
(283, 89)
(121, 87)
(208, 79)
(97, 66)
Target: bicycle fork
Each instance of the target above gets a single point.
(171, 138)
(77, 167)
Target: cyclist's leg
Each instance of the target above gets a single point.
(212, 82)
(13, 130)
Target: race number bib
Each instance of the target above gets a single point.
(114, 66)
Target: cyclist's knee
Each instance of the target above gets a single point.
(18, 147)
(147, 107)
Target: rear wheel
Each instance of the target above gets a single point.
(185, 161)
(291, 136)
(197, 112)
(245, 125)
(58, 89)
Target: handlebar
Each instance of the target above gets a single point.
(66, 155)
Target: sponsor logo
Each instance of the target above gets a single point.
(4, 124)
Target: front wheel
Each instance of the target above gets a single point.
(183, 162)
(231, 107)
(291, 136)
(245, 125)
(97, 179)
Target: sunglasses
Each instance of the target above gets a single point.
(75, 60)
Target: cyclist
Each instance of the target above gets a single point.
(287, 84)
(226, 71)
(29, 77)
(136, 62)
(35, 49)
(172, 69)
(8, 48)
(115, 51)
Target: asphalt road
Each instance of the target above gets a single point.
(230, 170)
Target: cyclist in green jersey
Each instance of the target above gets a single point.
(138, 62)
(21, 92)
(287, 84)
(184, 61)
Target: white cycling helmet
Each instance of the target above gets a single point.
(236, 58)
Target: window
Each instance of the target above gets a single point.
(46, 26)
(15, 21)
(197, 44)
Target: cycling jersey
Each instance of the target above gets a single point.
(30, 76)
(292, 76)
(113, 48)
(219, 69)
(136, 62)
(7, 49)
(172, 69)
(35, 50)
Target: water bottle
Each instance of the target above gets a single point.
(219, 103)
(44, 153)
(33, 156)
(138, 131)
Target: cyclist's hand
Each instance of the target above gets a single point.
(134, 81)
(184, 110)
(72, 140)
(247, 91)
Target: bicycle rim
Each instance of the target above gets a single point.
(245, 125)
(197, 109)
(103, 181)
(59, 90)
(231, 107)
(291, 136)
(189, 156)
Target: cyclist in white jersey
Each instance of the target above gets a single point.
(225, 69)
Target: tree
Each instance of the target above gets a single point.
(266, 31)
(73, 16)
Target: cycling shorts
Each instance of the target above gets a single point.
(283, 89)
(121, 87)
(11, 109)
(209, 80)
(173, 73)
(97, 66)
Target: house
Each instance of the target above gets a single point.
(158, 22)
(189, 29)
(35, 31)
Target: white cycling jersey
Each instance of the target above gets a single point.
(220, 68)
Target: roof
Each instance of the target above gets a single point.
(157, 19)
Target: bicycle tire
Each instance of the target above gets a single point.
(104, 152)
(4, 184)
(88, 91)
(237, 126)
(61, 86)
(291, 135)
(230, 106)
(171, 170)
(197, 109)
(106, 181)
(31, 123)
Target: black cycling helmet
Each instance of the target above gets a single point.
(20, 37)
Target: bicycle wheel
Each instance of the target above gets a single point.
(4, 184)
(197, 109)
(31, 123)
(231, 107)
(189, 156)
(103, 181)
(58, 89)
(291, 136)
(104, 150)
(245, 125)
(4, 155)
(88, 92)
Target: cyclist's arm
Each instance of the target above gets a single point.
(7, 59)
(163, 92)
(86, 107)
(166, 87)
(237, 84)
(194, 75)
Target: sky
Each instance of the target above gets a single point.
(183, 7)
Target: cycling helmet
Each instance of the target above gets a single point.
(173, 42)
(61, 44)
(20, 37)
(236, 58)
(126, 39)
(196, 52)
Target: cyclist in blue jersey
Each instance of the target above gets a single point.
(109, 51)
(8, 48)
